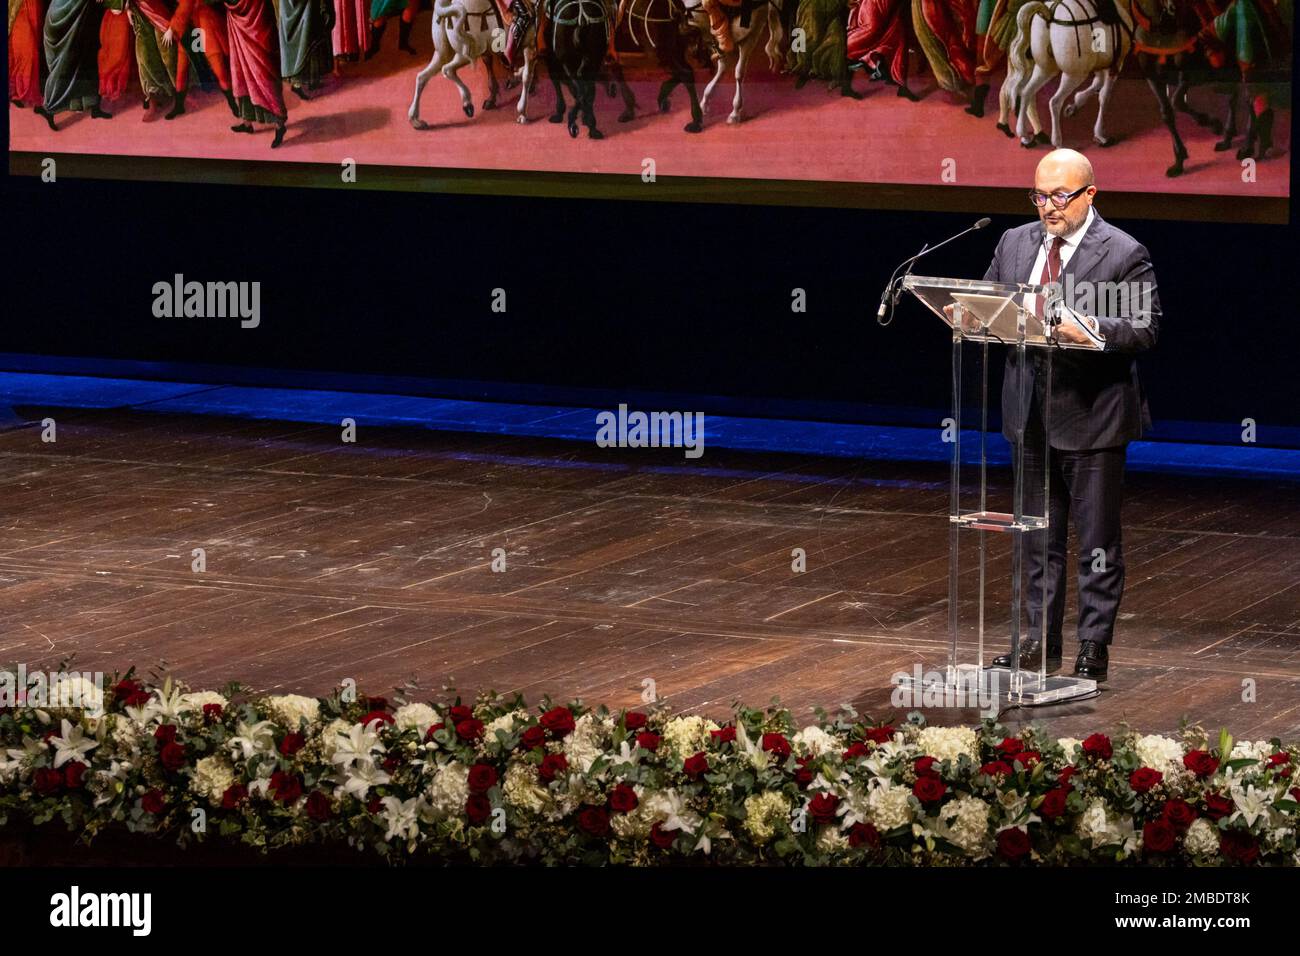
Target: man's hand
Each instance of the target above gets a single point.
(1067, 331)
(969, 323)
(168, 38)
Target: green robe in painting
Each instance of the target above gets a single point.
(155, 63)
(306, 45)
(386, 8)
(71, 41)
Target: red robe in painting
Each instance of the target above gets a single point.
(951, 25)
(351, 34)
(25, 53)
(879, 32)
(253, 39)
(212, 21)
(116, 54)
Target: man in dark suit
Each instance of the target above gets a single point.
(1096, 406)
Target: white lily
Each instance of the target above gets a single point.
(1252, 804)
(73, 745)
(358, 744)
(361, 777)
(252, 739)
(402, 817)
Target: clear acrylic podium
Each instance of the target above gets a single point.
(980, 314)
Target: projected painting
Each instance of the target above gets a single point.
(1166, 96)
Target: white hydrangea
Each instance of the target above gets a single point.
(889, 807)
(523, 789)
(1202, 838)
(967, 824)
(948, 743)
(75, 691)
(1246, 750)
(288, 709)
(1101, 826)
(763, 811)
(505, 722)
(448, 790)
(831, 841)
(1068, 744)
(200, 699)
(419, 717)
(815, 741)
(582, 746)
(213, 776)
(687, 736)
(1159, 753)
(329, 737)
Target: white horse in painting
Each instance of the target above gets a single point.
(462, 33)
(1069, 38)
(767, 14)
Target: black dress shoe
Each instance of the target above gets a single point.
(1093, 660)
(1031, 656)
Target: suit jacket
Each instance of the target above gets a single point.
(1096, 400)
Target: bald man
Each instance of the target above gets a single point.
(1096, 406)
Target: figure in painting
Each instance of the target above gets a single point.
(255, 67)
(25, 52)
(306, 43)
(71, 42)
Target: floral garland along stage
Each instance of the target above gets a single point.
(492, 782)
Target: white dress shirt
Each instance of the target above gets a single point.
(1067, 249)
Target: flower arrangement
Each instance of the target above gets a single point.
(491, 781)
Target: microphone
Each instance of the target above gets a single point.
(889, 298)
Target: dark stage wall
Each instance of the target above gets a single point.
(690, 299)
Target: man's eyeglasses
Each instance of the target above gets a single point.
(1059, 199)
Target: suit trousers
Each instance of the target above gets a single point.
(1086, 487)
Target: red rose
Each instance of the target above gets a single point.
(1179, 813)
(647, 740)
(1098, 747)
(724, 735)
(460, 712)
(1295, 794)
(1010, 746)
(1066, 773)
(995, 769)
(558, 721)
(695, 766)
(552, 764)
(165, 734)
(482, 778)
(1158, 836)
(776, 744)
(879, 735)
(533, 737)
(172, 756)
(594, 820)
(74, 774)
(1200, 763)
(469, 729)
(1279, 758)
(478, 808)
(318, 806)
(1053, 804)
(1027, 758)
(376, 703)
(1013, 844)
(235, 794)
(861, 833)
(822, 807)
(1144, 778)
(1217, 807)
(46, 781)
(804, 775)
(428, 734)
(287, 786)
(924, 766)
(376, 715)
(929, 788)
(212, 713)
(622, 799)
(292, 743)
(1238, 846)
(662, 838)
(153, 802)
(391, 764)
(856, 749)
(374, 804)
(130, 693)
(634, 720)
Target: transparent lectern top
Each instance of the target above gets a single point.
(992, 311)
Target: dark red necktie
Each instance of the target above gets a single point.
(1051, 271)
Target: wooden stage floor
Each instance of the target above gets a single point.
(372, 561)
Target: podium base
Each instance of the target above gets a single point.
(989, 688)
